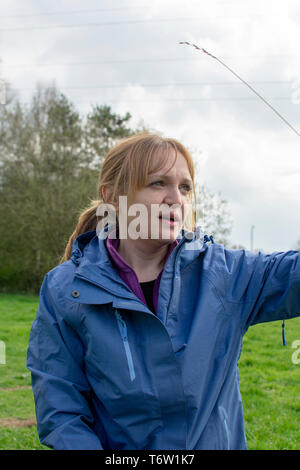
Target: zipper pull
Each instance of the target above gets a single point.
(125, 333)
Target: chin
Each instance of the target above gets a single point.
(169, 235)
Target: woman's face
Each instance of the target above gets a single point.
(159, 209)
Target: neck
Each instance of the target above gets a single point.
(146, 257)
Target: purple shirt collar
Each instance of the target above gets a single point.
(129, 276)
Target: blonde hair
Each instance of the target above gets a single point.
(125, 170)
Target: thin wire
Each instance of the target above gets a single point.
(245, 83)
(161, 85)
(127, 61)
(175, 100)
(68, 12)
(120, 23)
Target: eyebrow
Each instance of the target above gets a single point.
(184, 180)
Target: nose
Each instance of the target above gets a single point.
(173, 196)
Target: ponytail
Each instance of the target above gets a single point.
(87, 221)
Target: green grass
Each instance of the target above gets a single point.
(269, 381)
(16, 399)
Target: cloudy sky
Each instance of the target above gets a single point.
(126, 53)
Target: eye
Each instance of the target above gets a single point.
(155, 183)
(186, 188)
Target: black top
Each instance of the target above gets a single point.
(147, 288)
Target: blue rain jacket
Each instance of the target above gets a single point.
(109, 374)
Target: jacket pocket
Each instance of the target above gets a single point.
(123, 332)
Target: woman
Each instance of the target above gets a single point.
(137, 337)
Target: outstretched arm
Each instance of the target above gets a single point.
(265, 286)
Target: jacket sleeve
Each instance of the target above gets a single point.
(266, 286)
(61, 391)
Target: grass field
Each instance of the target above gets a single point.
(269, 382)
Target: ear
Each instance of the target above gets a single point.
(106, 195)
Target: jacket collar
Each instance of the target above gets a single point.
(102, 283)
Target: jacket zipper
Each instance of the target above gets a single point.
(123, 331)
(225, 425)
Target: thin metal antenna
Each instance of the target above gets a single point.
(245, 83)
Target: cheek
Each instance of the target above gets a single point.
(145, 198)
(150, 199)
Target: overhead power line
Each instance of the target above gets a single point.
(162, 85)
(118, 23)
(275, 98)
(158, 100)
(95, 10)
(140, 60)
(71, 12)
(103, 23)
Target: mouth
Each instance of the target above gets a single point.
(172, 218)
